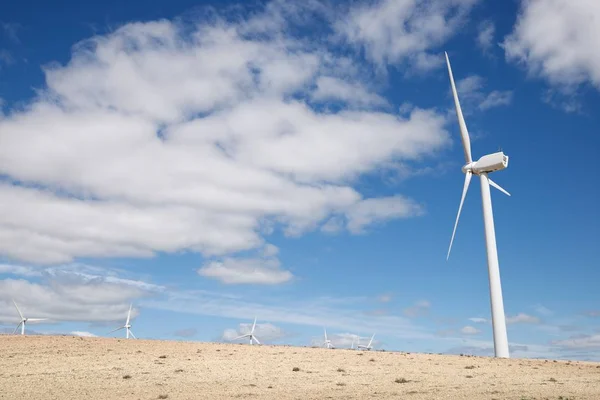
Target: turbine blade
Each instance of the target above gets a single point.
(253, 325)
(325, 329)
(132, 335)
(36, 319)
(464, 133)
(371, 341)
(118, 329)
(241, 337)
(17, 328)
(462, 200)
(255, 339)
(129, 314)
(19, 311)
(494, 184)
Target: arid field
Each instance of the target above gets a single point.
(64, 367)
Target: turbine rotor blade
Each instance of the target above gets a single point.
(462, 200)
(36, 319)
(494, 184)
(464, 133)
(132, 335)
(19, 311)
(17, 328)
(118, 329)
(255, 339)
(129, 314)
(253, 325)
(241, 337)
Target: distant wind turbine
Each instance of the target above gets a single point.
(127, 325)
(482, 167)
(25, 320)
(327, 342)
(250, 335)
(367, 347)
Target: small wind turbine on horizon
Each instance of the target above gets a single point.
(25, 320)
(367, 347)
(127, 326)
(250, 335)
(482, 167)
(327, 342)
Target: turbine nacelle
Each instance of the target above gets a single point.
(487, 164)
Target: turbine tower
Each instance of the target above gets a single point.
(482, 167)
(327, 342)
(127, 326)
(250, 335)
(24, 320)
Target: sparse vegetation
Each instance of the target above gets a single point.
(552, 380)
(341, 370)
(401, 380)
(162, 356)
(469, 376)
(295, 369)
(179, 370)
(163, 396)
(126, 376)
(470, 367)
(372, 360)
(340, 384)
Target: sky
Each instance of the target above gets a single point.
(300, 162)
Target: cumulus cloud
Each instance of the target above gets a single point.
(83, 334)
(159, 137)
(579, 342)
(385, 297)
(70, 293)
(478, 320)
(556, 40)
(471, 92)
(393, 32)
(522, 318)
(419, 309)
(243, 270)
(470, 330)
(485, 35)
(264, 332)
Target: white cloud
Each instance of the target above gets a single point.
(470, 330)
(264, 332)
(259, 270)
(478, 320)
(385, 298)
(204, 141)
(83, 334)
(471, 93)
(71, 293)
(330, 88)
(522, 318)
(392, 32)
(485, 35)
(581, 342)
(540, 309)
(419, 309)
(557, 40)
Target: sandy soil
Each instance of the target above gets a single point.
(47, 367)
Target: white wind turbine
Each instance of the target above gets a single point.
(327, 342)
(367, 347)
(250, 335)
(127, 325)
(25, 320)
(482, 167)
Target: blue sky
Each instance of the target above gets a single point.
(212, 162)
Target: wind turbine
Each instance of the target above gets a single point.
(250, 335)
(127, 325)
(24, 320)
(482, 167)
(367, 347)
(327, 342)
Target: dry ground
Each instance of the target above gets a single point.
(53, 367)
